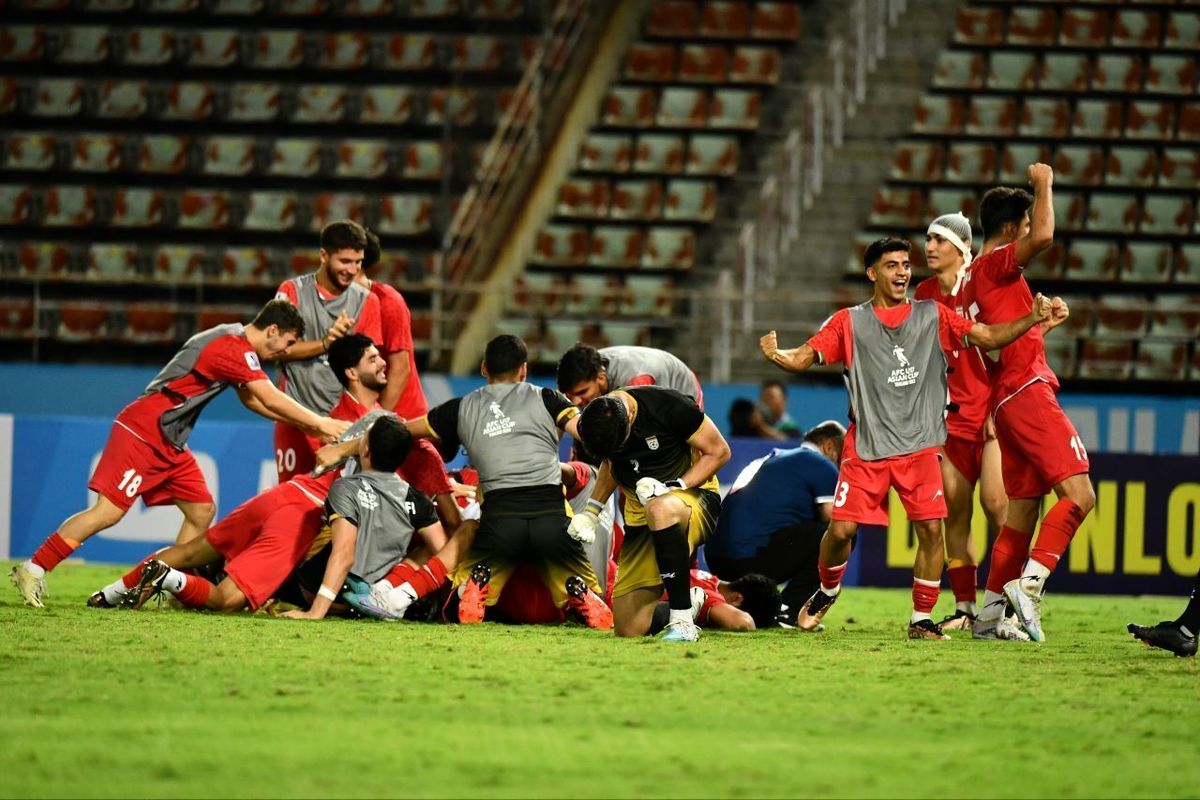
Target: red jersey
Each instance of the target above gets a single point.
(347, 409)
(994, 291)
(228, 359)
(968, 377)
(396, 321)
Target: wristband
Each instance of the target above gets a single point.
(594, 506)
(327, 593)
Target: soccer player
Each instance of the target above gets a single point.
(749, 603)
(332, 305)
(424, 468)
(585, 373)
(1040, 448)
(1179, 636)
(510, 429)
(895, 372)
(146, 454)
(263, 539)
(664, 452)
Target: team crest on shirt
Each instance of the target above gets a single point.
(252, 362)
(904, 375)
(652, 442)
(367, 498)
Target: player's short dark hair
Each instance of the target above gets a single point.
(343, 234)
(604, 426)
(373, 252)
(741, 418)
(888, 244)
(581, 363)
(346, 352)
(504, 355)
(825, 431)
(1000, 206)
(760, 598)
(281, 313)
(390, 442)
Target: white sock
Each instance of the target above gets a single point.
(993, 605)
(33, 569)
(1036, 569)
(966, 607)
(115, 592)
(917, 616)
(174, 581)
(680, 616)
(834, 592)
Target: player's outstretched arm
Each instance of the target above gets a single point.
(712, 451)
(1041, 214)
(284, 409)
(730, 618)
(251, 402)
(311, 348)
(796, 359)
(341, 559)
(420, 429)
(993, 337)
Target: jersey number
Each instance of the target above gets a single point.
(839, 499)
(130, 483)
(1077, 446)
(285, 460)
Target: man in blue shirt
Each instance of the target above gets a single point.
(774, 516)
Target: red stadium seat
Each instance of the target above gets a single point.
(8, 95)
(301, 8)
(277, 50)
(328, 207)
(637, 200)
(616, 246)
(247, 266)
(897, 207)
(1080, 323)
(172, 6)
(969, 162)
(361, 158)
(237, 8)
(122, 100)
(163, 154)
(1084, 27)
(1171, 74)
(387, 105)
(1147, 262)
(424, 161)
(212, 316)
(670, 248)
(682, 107)
(712, 155)
(1189, 122)
(919, 161)
(405, 214)
(149, 47)
(1091, 260)
(303, 262)
(1136, 28)
(1187, 264)
(253, 102)
(295, 158)
(976, 25)
(649, 296)
(1106, 360)
(735, 108)
(1014, 71)
(1150, 120)
(320, 103)
(1165, 214)
(44, 259)
(1097, 119)
(229, 155)
(14, 204)
(1117, 72)
(702, 63)
(1163, 361)
(1121, 317)
(461, 106)
(691, 201)
(1016, 158)
(1175, 316)
(583, 198)
(270, 211)
(203, 209)
(180, 263)
(137, 208)
(500, 9)
(562, 246)
(775, 21)
(433, 9)
(1060, 353)
(991, 116)
(959, 69)
(630, 107)
(1069, 210)
(938, 114)
(17, 318)
(475, 53)
(606, 153)
(1183, 31)
(676, 19)
(22, 43)
(96, 153)
(57, 97)
(31, 151)
(720, 19)
(213, 48)
(1064, 72)
(343, 51)
(648, 61)
(147, 323)
(1029, 25)
(658, 153)
(946, 200)
(1112, 212)
(1131, 166)
(82, 322)
(410, 52)
(1081, 165)
(759, 65)
(1179, 167)
(69, 206)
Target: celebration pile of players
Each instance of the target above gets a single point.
(365, 520)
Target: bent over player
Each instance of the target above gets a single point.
(895, 372)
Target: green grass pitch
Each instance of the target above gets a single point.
(175, 704)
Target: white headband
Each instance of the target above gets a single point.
(952, 237)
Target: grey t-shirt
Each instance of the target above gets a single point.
(627, 362)
(311, 382)
(386, 511)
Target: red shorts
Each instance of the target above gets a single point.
(130, 468)
(861, 494)
(526, 600)
(264, 539)
(966, 455)
(425, 470)
(294, 452)
(1039, 447)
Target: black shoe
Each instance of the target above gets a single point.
(810, 616)
(576, 587)
(1165, 636)
(925, 629)
(98, 600)
(150, 583)
(958, 621)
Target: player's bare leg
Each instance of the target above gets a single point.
(960, 555)
(448, 512)
(836, 546)
(196, 519)
(927, 579)
(189, 555)
(992, 497)
(668, 519)
(633, 612)
(30, 576)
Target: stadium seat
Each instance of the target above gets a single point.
(588, 295)
(724, 20)
(1131, 166)
(14, 204)
(147, 323)
(1150, 120)
(82, 322)
(780, 21)
(615, 246)
(270, 211)
(229, 155)
(113, 262)
(735, 108)
(979, 25)
(712, 155)
(1083, 27)
(342, 51)
(148, 47)
(320, 103)
(562, 246)
(162, 154)
(17, 318)
(361, 158)
(295, 158)
(424, 161)
(331, 206)
(1179, 167)
(1117, 72)
(969, 162)
(44, 259)
(1081, 165)
(560, 330)
(122, 100)
(203, 209)
(30, 151)
(69, 206)
(1121, 317)
(1013, 71)
(1105, 360)
(303, 261)
(1097, 119)
(682, 107)
(672, 19)
(1091, 260)
(1112, 212)
(1175, 317)
(461, 106)
(277, 50)
(1167, 214)
(238, 8)
(648, 296)
(1136, 28)
(630, 107)
(246, 266)
(649, 61)
(1030, 25)
(476, 53)
(1049, 264)
(897, 207)
(583, 198)
(253, 102)
(606, 152)
(991, 116)
(1171, 74)
(405, 214)
(1079, 325)
(213, 48)
(1189, 122)
(937, 113)
(22, 43)
(172, 6)
(1015, 159)
(499, 9)
(1163, 361)
(691, 201)
(83, 44)
(1064, 72)
(531, 291)
(388, 105)
(410, 51)
(96, 153)
(670, 248)
(917, 161)
(137, 208)
(1183, 31)
(433, 9)
(1147, 262)
(180, 263)
(1069, 210)
(658, 153)
(1187, 264)
(946, 200)
(703, 63)
(1060, 353)
(959, 69)
(106, 6)
(758, 65)
(8, 95)
(212, 316)
(639, 199)
(59, 97)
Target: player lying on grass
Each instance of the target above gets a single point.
(146, 454)
(749, 603)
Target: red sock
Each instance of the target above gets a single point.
(429, 577)
(131, 578)
(1008, 557)
(195, 592)
(53, 551)
(1058, 528)
(401, 573)
(831, 577)
(963, 581)
(925, 595)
